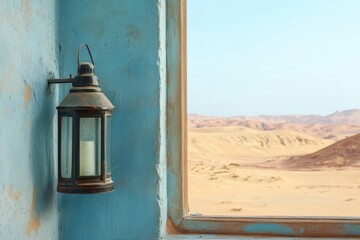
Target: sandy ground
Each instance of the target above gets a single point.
(227, 182)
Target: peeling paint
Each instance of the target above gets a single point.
(9, 71)
(27, 13)
(34, 220)
(171, 228)
(352, 229)
(134, 33)
(27, 96)
(15, 195)
(1, 87)
(268, 228)
(14, 87)
(5, 112)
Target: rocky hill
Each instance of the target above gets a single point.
(341, 154)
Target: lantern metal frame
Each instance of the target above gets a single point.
(85, 100)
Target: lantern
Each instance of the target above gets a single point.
(84, 128)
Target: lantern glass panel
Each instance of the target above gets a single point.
(66, 146)
(108, 144)
(90, 146)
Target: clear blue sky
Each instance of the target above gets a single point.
(251, 57)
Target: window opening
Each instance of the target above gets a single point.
(273, 107)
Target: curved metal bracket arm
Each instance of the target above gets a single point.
(61, 80)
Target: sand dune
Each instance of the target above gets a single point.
(258, 168)
(344, 153)
(231, 142)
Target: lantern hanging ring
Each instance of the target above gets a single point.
(79, 50)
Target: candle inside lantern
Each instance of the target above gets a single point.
(87, 158)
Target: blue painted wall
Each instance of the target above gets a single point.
(127, 39)
(28, 51)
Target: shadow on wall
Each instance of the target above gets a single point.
(42, 157)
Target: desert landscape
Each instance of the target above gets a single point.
(292, 165)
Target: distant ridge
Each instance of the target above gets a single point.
(351, 116)
(344, 153)
(233, 142)
(336, 126)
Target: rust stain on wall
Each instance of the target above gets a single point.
(134, 33)
(27, 13)
(34, 220)
(171, 228)
(14, 87)
(27, 96)
(5, 112)
(14, 194)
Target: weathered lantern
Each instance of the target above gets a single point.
(84, 118)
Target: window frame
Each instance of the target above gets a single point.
(179, 221)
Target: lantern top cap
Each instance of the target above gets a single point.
(86, 68)
(85, 93)
(86, 71)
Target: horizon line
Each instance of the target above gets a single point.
(275, 115)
